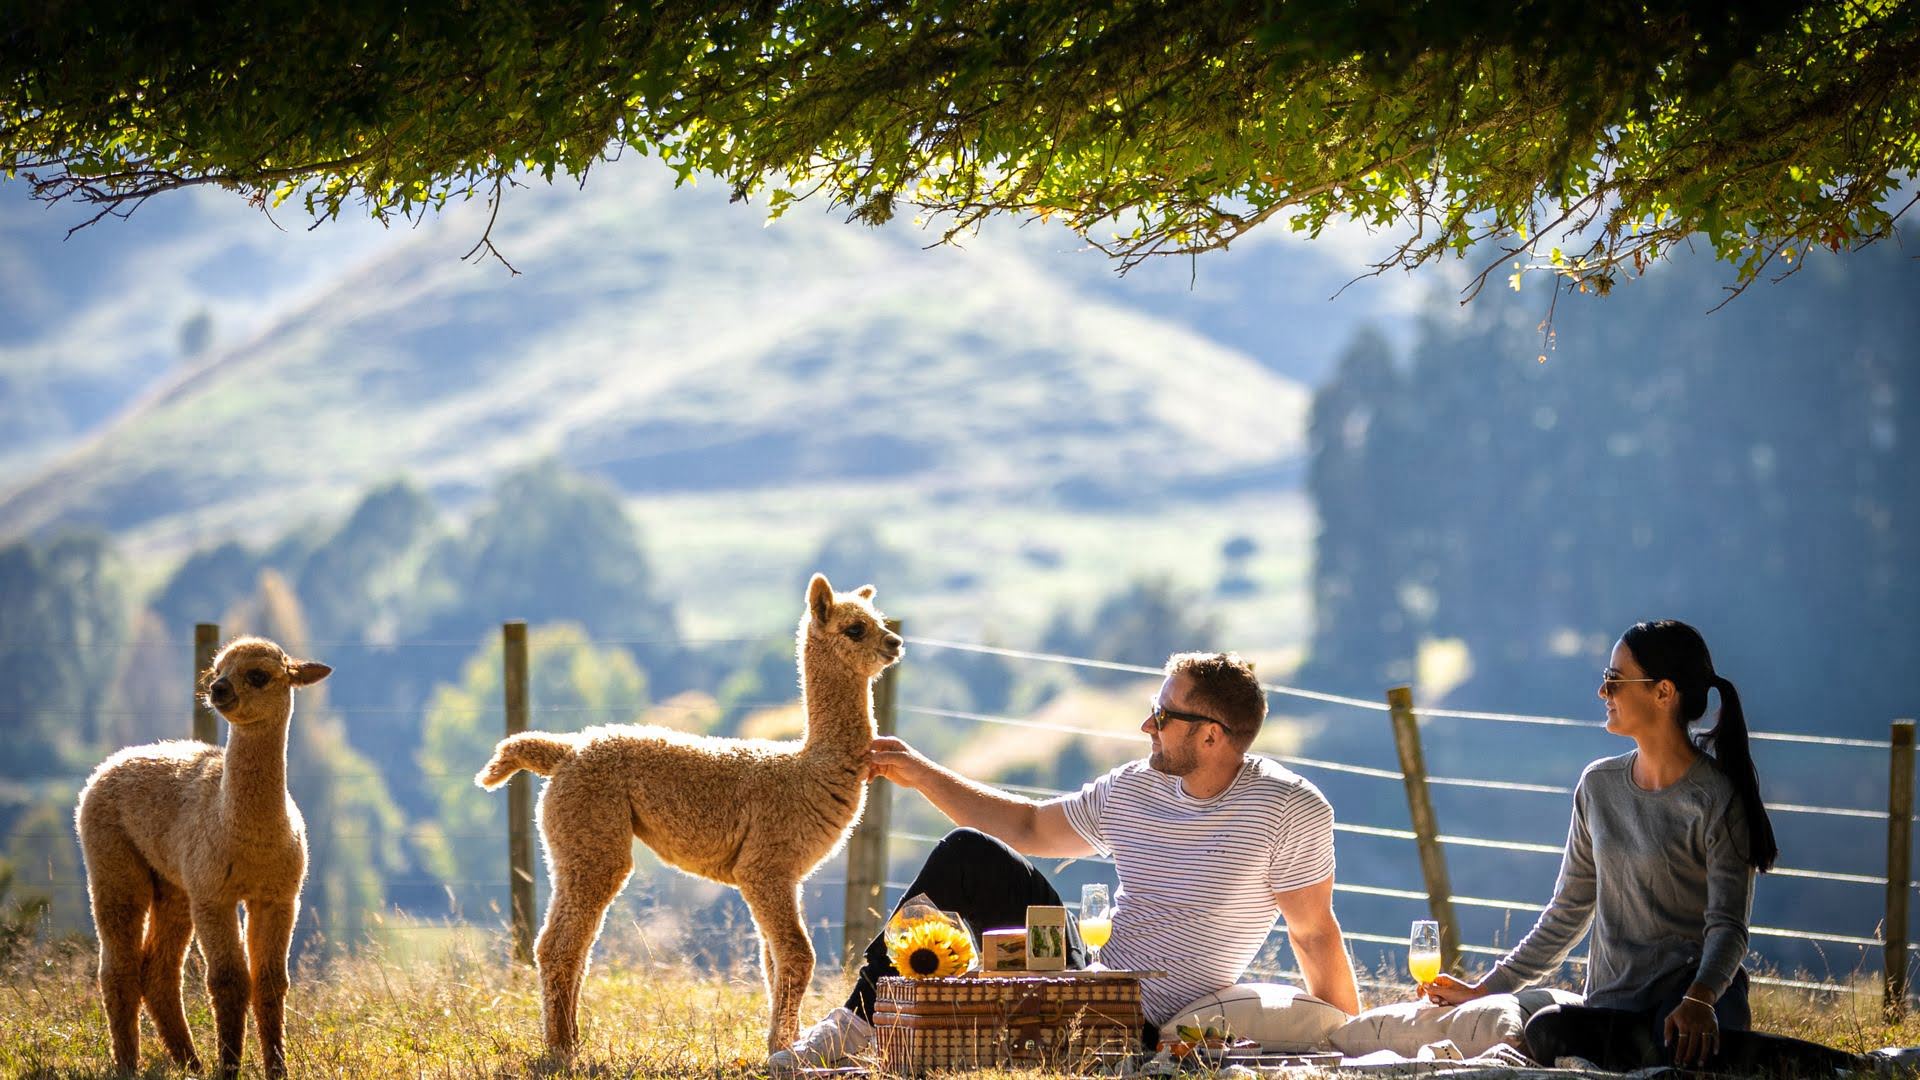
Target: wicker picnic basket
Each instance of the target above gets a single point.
(1056, 1020)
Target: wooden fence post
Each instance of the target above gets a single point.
(513, 642)
(1433, 862)
(206, 642)
(867, 847)
(1899, 873)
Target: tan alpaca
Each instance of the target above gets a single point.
(753, 814)
(177, 834)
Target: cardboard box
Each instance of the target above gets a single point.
(1046, 937)
(1003, 950)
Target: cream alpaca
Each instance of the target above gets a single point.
(176, 835)
(753, 814)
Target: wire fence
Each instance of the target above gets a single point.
(819, 890)
(1477, 784)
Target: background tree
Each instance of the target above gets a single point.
(1592, 135)
(205, 584)
(768, 675)
(22, 914)
(152, 697)
(572, 684)
(854, 553)
(1235, 580)
(1143, 622)
(42, 867)
(554, 545)
(359, 582)
(67, 606)
(1364, 637)
(1650, 468)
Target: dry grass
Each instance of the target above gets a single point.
(464, 1012)
(1846, 1021)
(449, 1006)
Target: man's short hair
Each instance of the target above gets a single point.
(1224, 687)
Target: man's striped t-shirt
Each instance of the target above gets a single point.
(1198, 876)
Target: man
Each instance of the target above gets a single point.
(1209, 844)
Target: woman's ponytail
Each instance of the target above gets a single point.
(1672, 650)
(1728, 743)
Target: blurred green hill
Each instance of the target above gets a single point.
(183, 380)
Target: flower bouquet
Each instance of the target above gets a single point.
(924, 942)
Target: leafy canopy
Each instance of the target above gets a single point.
(1613, 129)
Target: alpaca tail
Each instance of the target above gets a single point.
(534, 751)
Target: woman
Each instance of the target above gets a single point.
(1660, 860)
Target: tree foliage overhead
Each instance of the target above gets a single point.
(1588, 136)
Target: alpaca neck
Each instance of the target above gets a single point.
(253, 780)
(839, 706)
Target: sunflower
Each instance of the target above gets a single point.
(930, 948)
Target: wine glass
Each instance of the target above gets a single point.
(1096, 919)
(1423, 951)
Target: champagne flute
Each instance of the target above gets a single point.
(1423, 951)
(1096, 919)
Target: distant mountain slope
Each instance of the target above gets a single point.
(89, 322)
(670, 341)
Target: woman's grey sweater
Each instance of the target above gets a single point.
(1661, 876)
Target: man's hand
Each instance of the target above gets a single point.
(1024, 825)
(1447, 990)
(892, 759)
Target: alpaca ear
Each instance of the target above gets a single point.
(820, 597)
(308, 672)
(864, 592)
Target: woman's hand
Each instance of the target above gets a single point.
(1447, 990)
(1693, 1032)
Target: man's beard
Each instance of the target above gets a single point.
(1161, 761)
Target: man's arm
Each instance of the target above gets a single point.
(1315, 934)
(1031, 828)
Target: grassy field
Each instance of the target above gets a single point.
(464, 1013)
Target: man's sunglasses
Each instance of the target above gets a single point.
(1158, 715)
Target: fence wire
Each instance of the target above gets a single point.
(580, 714)
(1469, 783)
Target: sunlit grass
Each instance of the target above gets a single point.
(1851, 1021)
(458, 1008)
(465, 1012)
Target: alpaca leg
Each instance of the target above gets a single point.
(776, 911)
(121, 893)
(169, 929)
(269, 935)
(579, 904)
(589, 840)
(217, 925)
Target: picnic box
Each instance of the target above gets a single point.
(1059, 1019)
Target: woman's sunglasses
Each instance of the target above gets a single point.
(1611, 681)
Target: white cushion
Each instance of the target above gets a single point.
(1405, 1027)
(1281, 1018)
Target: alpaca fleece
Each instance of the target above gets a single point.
(177, 835)
(758, 815)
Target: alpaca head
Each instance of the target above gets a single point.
(252, 680)
(847, 627)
